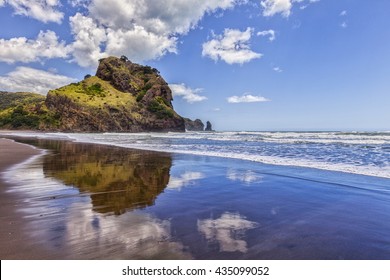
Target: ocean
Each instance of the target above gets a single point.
(365, 153)
(206, 195)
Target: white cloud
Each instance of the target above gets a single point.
(159, 17)
(79, 3)
(344, 23)
(94, 41)
(32, 80)
(272, 7)
(2, 3)
(231, 47)
(46, 45)
(88, 38)
(140, 29)
(227, 230)
(184, 180)
(270, 33)
(42, 10)
(188, 94)
(139, 44)
(248, 98)
(277, 69)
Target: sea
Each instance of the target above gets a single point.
(364, 153)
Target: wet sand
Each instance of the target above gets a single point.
(14, 242)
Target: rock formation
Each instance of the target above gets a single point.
(196, 125)
(123, 96)
(208, 126)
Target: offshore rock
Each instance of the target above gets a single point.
(208, 126)
(196, 125)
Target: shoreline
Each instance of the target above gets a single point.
(374, 171)
(15, 244)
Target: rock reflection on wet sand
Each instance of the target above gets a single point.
(116, 179)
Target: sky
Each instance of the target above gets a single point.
(241, 64)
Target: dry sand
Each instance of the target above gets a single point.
(14, 240)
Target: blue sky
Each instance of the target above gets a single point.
(242, 64)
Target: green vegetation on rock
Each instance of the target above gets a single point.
(123, 96)
(23, 110)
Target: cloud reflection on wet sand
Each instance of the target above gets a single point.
(227, 230)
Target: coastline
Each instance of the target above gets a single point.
(14, 242)
(350, 153)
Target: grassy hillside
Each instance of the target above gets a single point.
(9, 100)
(96, 95)
(23, 110)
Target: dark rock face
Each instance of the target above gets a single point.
(208, 126)
(196, 125)
(135, 79)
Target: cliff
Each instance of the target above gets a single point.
(122, 96)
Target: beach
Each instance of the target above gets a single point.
(93, 201)
(15, 242)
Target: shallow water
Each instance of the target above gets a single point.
(100, 202)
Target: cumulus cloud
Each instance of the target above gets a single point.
(248, 98)
(32, 80)
(139, 44)
(140, 29)
(188, 94)
(88, 38)
(160, 17)
(231, 47)
(46, 45)
(94, 41)
(270, 33)
(42, 10)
